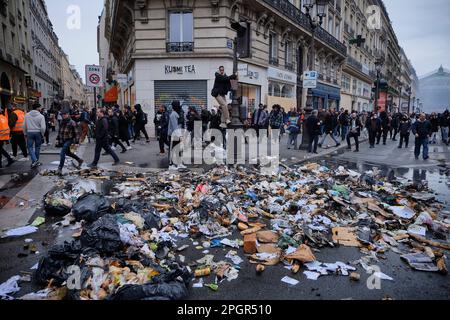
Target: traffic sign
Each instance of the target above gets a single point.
(94, 76)
(310, 79)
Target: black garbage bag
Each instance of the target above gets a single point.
(57, 259)
(55, 206)
(165, 286)
(90, 207)
(172, 290)
(103, 235)
(152, 220)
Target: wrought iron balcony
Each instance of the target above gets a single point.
(274, 61)
(290, 11)
(355, 64)
(180, 46)
(289, 66)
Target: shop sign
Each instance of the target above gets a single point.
(245, 72)
(179, 69)
(281, 75)
(122, 78)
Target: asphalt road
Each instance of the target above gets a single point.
(407, 284)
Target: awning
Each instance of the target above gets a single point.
(112, 95)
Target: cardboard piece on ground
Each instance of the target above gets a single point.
(250, 243)
(345, 236)
(267, 236)
(250, 231)
(269, 248)
(302, 254)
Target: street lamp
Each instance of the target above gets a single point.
(409, 91)
(378, 67)
(321, 6)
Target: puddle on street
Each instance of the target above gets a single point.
(437, 178)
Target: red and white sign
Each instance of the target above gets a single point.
(94, 76)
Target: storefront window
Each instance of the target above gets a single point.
(250, 96)
(287, 91)
(276, 90)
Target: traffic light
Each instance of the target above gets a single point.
(243, 38)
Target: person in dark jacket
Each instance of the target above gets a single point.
(328, 129)
(68, 135)
(205, 117)
(373, 125)
(222, 85)
(396, 118)
(124, 125)
(343, 119)
(422, 131)
(405, 131)
(162, 125)
(384, 127)
(141, 122)
(313, 127)
(101, 139)
(113, 126)
(434, 127)
(191, 118)
(354, 131)
(444, 123)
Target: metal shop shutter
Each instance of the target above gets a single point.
(189, 92)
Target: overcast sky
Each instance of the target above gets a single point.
(422, 28)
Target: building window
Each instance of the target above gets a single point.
(274, 89)
(273, 48)
(287, 91)
(346, 83)
(288, 56)
(354, 86)
(181, 31)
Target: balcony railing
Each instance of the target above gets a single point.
(274, 61)
(289, 66)
(355, 64)
(292, 12)
(180, 46)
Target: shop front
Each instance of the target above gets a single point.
(281, 88)
(326, 96)
(160, 81)
(252, 83)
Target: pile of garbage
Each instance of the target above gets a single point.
(129, 243)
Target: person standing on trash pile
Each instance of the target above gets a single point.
(113, 127)
(405, 131)
(354, 131)
(68, 135)
(5, 132)
(174, 133)
(162, 125)
(313, 127)
(16, 121)
(102, 139)
(141, 122)
(328, 129)
(422, 131)
(222, 85)
(34, 128)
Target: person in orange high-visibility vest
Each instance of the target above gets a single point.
(4, 138)
(16, 124)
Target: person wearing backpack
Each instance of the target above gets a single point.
(141, 122)
(293, 128)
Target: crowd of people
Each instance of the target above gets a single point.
(113, 127)
(110, 127)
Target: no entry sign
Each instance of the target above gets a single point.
(94, 76)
